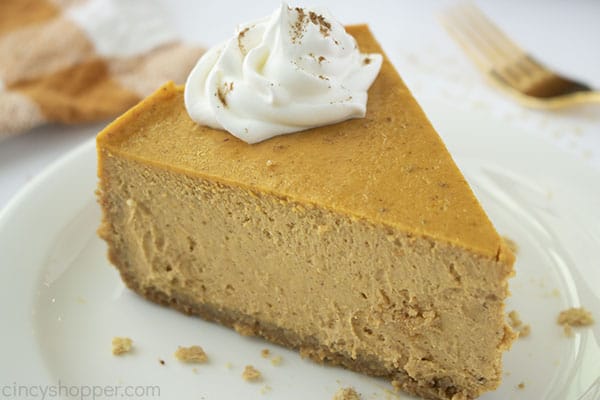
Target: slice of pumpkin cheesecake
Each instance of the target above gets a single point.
(359, 243)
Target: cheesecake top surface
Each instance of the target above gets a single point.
(390, 167)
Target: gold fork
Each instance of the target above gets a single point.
(510, 67)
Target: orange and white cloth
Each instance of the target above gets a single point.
(74, 61)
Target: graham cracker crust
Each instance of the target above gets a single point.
(441, 388)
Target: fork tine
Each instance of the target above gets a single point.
(495, 37)
(508, 64)
(470, 24)
(498, 46)
(485, 56)
(499, 40)
(462, 20)
(504, 58)
(457, 30)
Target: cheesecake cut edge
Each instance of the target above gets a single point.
(166, 294)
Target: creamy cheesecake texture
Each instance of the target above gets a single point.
(358, 243)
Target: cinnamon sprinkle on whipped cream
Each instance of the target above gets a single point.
(294, 70)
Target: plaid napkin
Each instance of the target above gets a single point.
(73, 61)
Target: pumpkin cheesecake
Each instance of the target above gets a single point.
(358, 243)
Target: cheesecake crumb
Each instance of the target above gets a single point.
(192, 354)
(525, 331)
(346, 394)
(276, 361)
(121, 345)
(521, 385)
(511, 244)
(397, 385)
(161, 361)
(265, 353)
(195, 370)
(514, 320)
(251, 374)
(265, 389)
(574, 317)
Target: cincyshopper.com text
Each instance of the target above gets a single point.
(61, 390)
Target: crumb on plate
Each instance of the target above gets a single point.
(276, 361)
(251, 374)
(265, 389)
(514, 320)
(574, 317)
(192, 354)
(121, 345)
(524, 331)
(347, 393)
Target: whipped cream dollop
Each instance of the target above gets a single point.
(294, 70)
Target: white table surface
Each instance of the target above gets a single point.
(563, 34)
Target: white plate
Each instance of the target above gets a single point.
(62, 302)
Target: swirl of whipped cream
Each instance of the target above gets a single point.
(295, 70)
